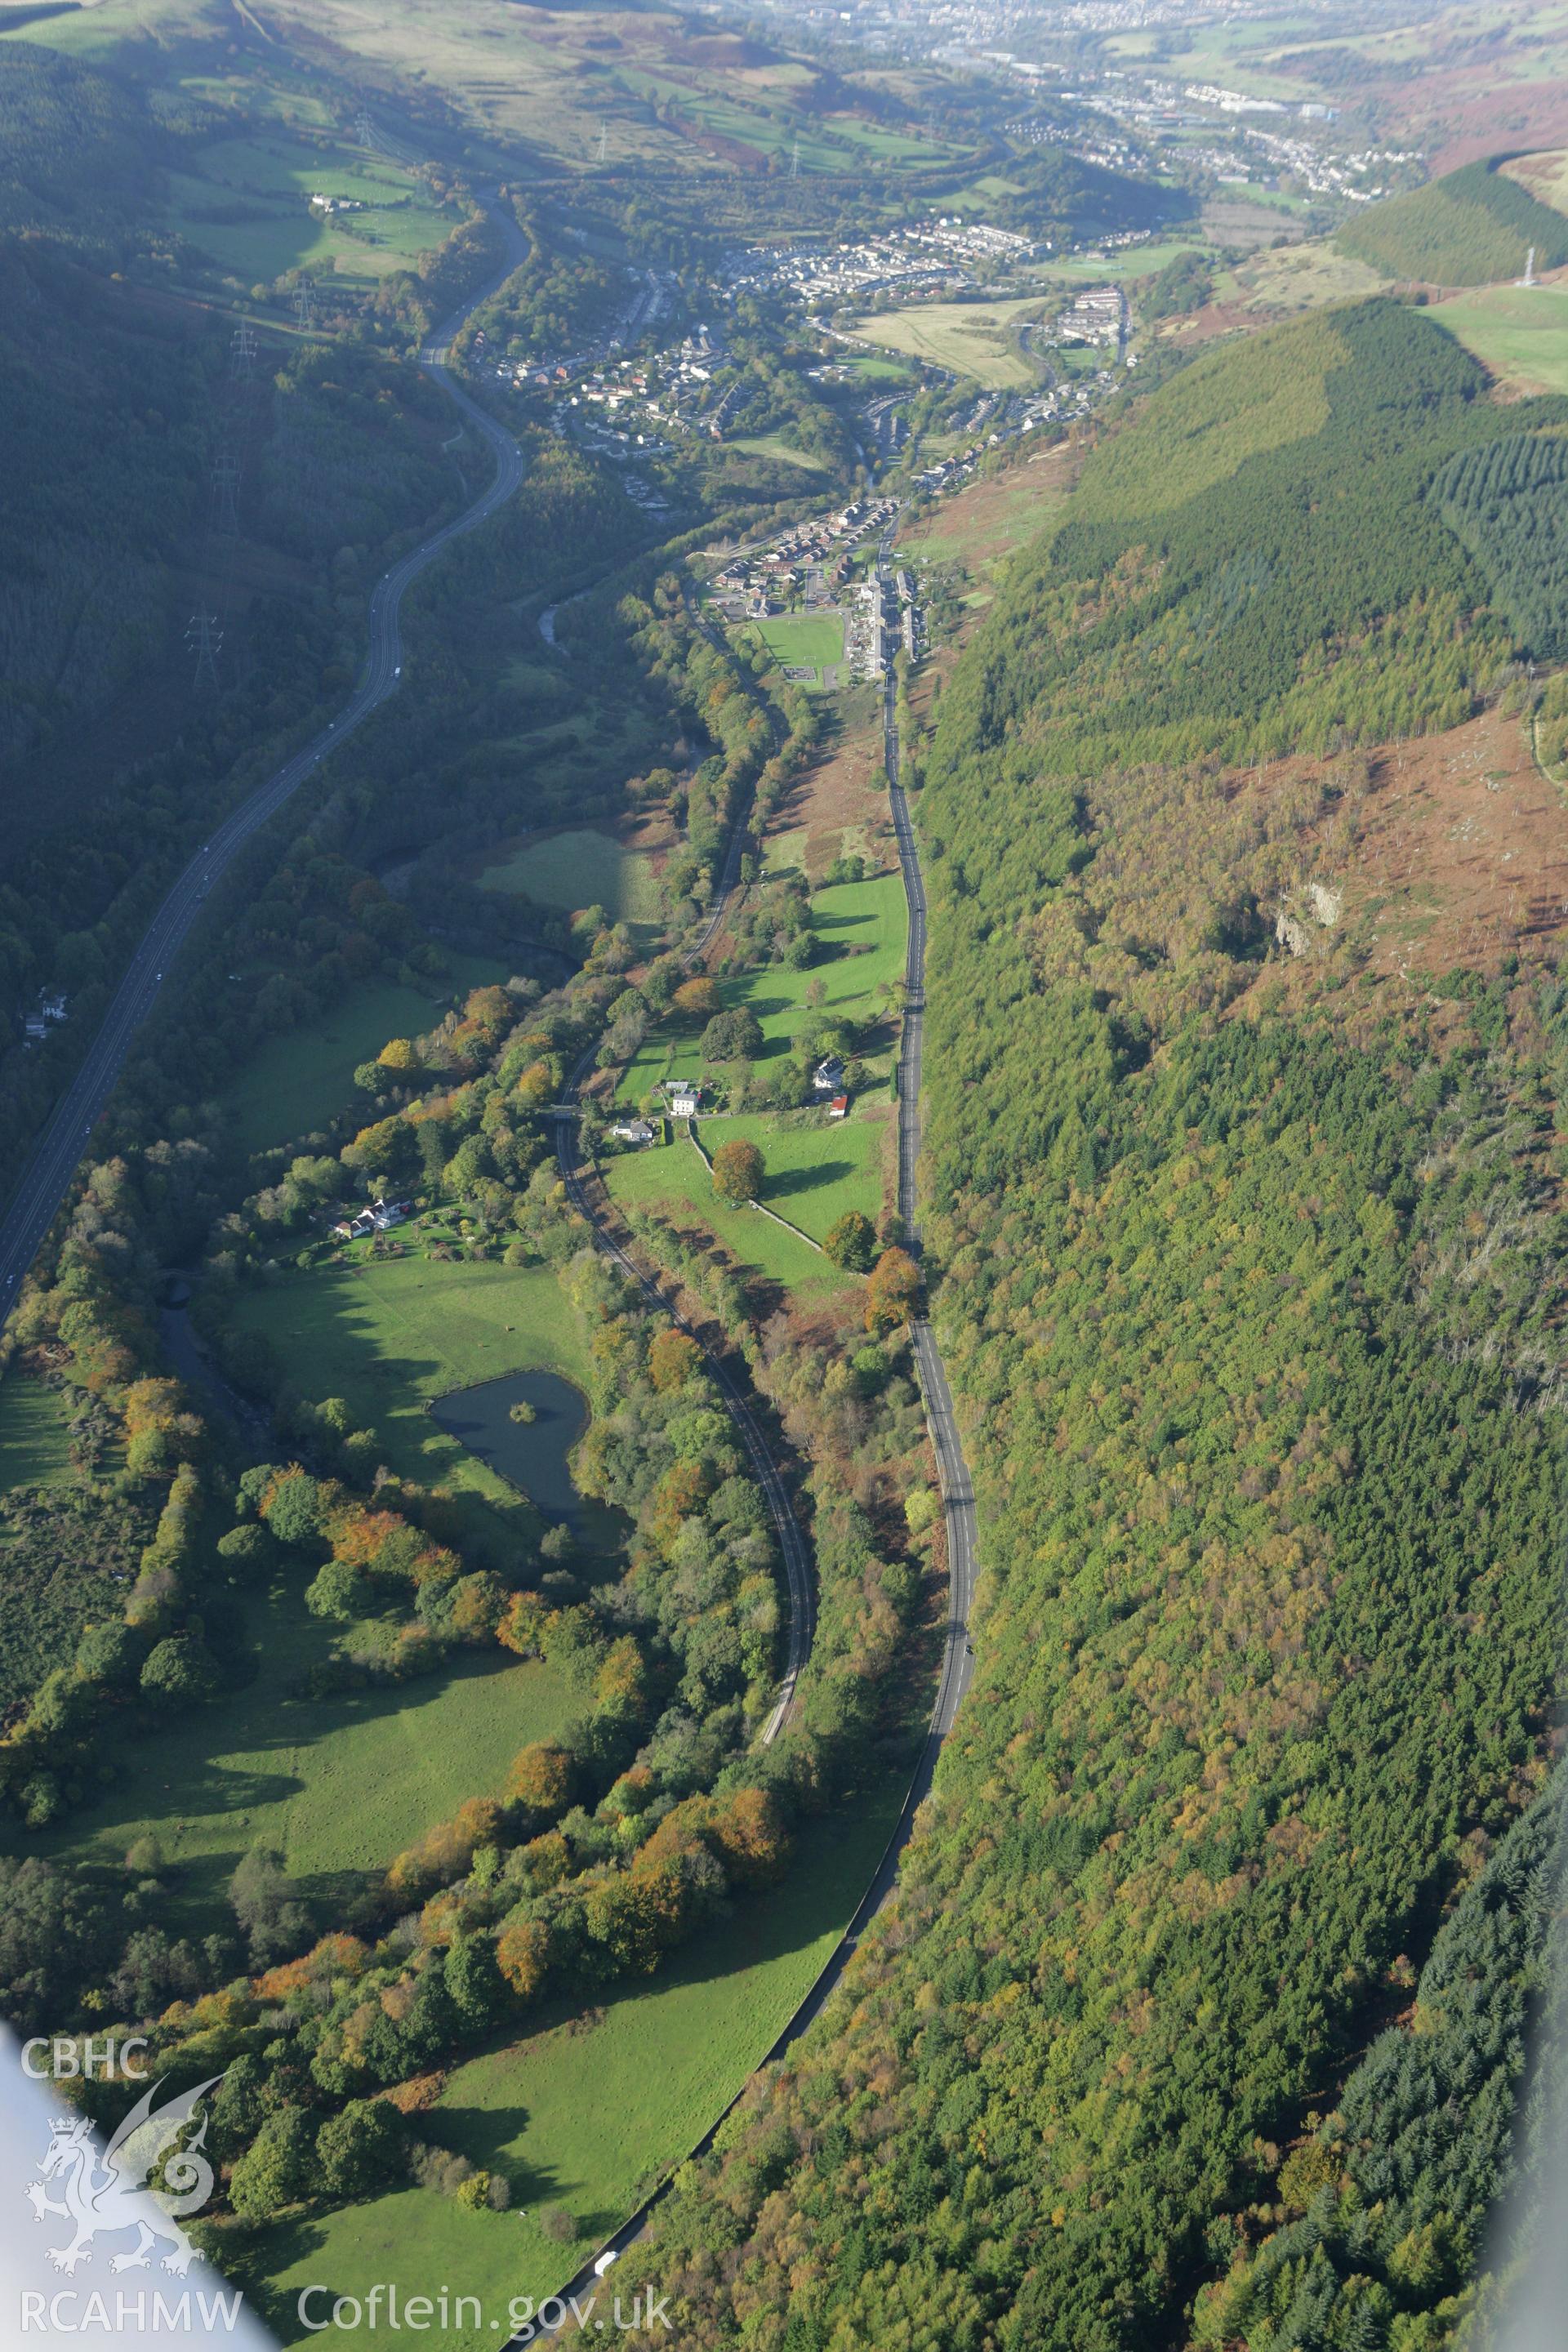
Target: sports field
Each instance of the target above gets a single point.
(804, 641)
(586, 2113)
(1519, 332)
(783, 452)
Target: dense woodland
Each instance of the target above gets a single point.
(1200, 2011)
(1249, 1296)
(1468, 228)
(1509, 503)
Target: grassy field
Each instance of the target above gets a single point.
(35, 1444)
(768, 445)
(246, 203)
(388, 1336)
(340, 1785)
(580, 866)
(814, 1173)
(970, 338)
(1520, 332)
(860, 929)
(804, 641)
(588, 2115)
(671, 1177)
(878, 375)
(814, 1170)
(1293, 277)
(298, 1081)
(1131, 261)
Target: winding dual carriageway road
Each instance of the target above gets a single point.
(46, 1182)
(47, 1178)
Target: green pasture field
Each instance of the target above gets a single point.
(671, 1177)
(387, 1335)
(1228, 53)
(812, 1173)
(588, 2114)
(579, 867)
(275, 176)
(1519, 332)
(339, 1785)
(295, 1083)
(35, 1440)
(860, 929)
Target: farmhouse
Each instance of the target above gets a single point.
(683, 1097)
(829, 1075)
(632, 1130)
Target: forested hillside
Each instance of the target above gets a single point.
(1509, 503)
(1245, 1269)
(1468, 228)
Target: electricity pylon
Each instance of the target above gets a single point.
(305, 303)
(206, 640)
(241, 353)
(604, 139)
(794, 158)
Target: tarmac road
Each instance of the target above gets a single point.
(47, 1179)
(958, 1495)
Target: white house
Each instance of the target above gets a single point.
(632, 1130)
(684, 1097)
(828, 1077)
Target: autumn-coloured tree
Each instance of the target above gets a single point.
(523, 1955)
(751, 1839)
(445, 1850)
(737, 1171)
(893, 1288)
(672, 1358)
(541, 1778)
(522, 1628)
(680, 1491)
(699, 999)
(622, 1682)
(535, 1088)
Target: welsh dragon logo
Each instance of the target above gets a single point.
(101, 2196)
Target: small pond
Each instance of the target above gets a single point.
(531, 1455)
